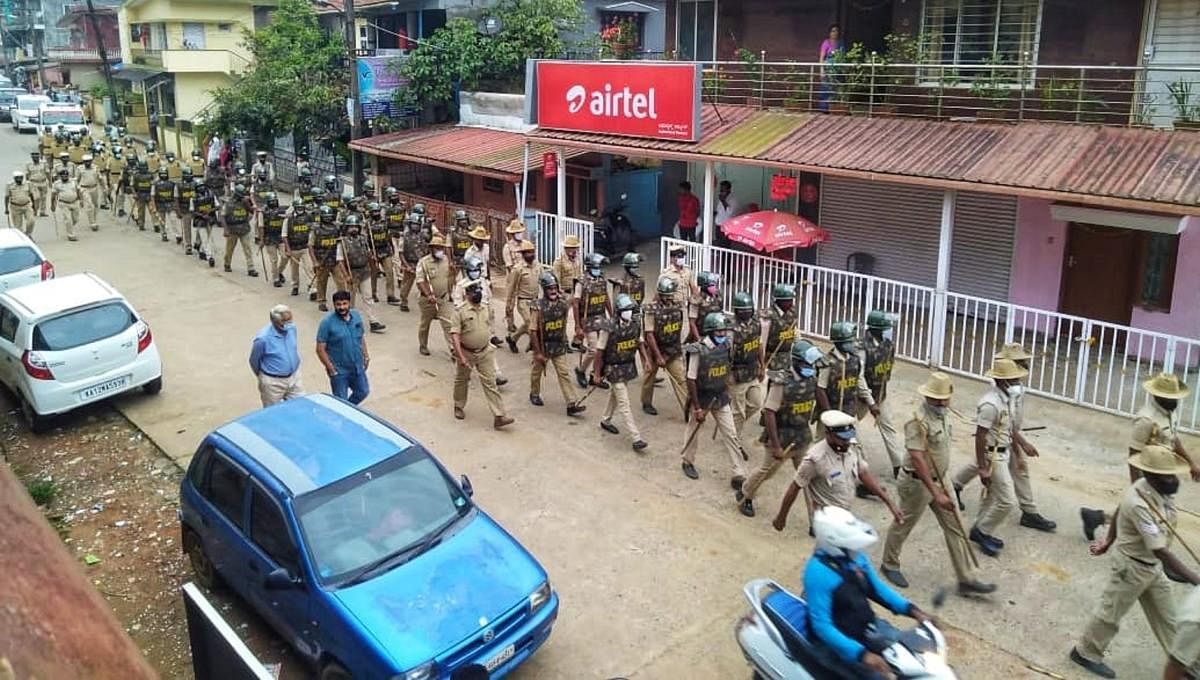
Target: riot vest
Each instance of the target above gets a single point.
(260, 192)
(842, 388)
(879, 356)
(357, 251)
(460, 243)
(164, 191)
(746, 342)
(395, 221)
(205, 206)
(143, 184)
(624, 338)
(708, 304)
(712, 376)
(796, 409)
(273, 225)
(780, 336)
(416, 245)
(186, 193)
(334, 202)
(298, 229)
(380, 239)
(633, 286)
(237, 217)
(595, 300)
(553, 330)
(668, 326)
(325, 242)
(214, 178)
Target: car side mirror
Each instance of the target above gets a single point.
(280, 579)
(467, 489)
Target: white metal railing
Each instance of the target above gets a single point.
(1078, 360)
(550, 231)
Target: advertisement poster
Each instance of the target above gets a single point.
(378, 81)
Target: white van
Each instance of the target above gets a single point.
(24, 115)
(70, 116)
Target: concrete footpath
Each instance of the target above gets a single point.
(649, 565)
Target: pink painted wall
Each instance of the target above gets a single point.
(1037, 256)
(1184, 317)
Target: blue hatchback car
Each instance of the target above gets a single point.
(358, 547)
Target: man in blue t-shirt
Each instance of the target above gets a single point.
(342, 349)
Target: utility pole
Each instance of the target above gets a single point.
(91, 10)
(355, 105)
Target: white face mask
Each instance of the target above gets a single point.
(437, 254)
(887, 334)
(1015, 391)
(519, 236)
(626, 314)
(680, 261)
(473, 274)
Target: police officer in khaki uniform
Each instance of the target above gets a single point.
(19, 200)
(480, 250)
(297, 228)
(1142, 531)
(384, 247)
(592, 308)
(618, 345)
(205, 208)
(678, 271)
(114, 170)
(707, 300)
(414, 245)
(548, 337)
(511, 254)
(88, 179)
(433, 280)
(1183, 659)
(747, 370)
(65, 200)
(322, 248)
(787, 415)
(841, 384)
(38, 175)
(473, 271)
(707, 373)
(165, 199)
(922, 484)
(568, 268)
(270, 238)
(354, 256)
(877, 354)
(459, 239)
(778, 323)
(522, 287)
(993, 444)
(664, 328)
(470, 334)
(631, 282)
(235, 220)
(142, 185)
(185, 192)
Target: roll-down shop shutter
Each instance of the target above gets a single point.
(982, 248)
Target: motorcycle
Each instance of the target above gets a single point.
(774, 639)
(612, 231)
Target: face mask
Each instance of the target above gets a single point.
(803, 370)
(626, 314)
(937, 410)
(528, 258)
(680, 261)
(720, 339)
(1167, 404)
(289, 324)
(594, 272)
(1015, 391)
(711, 290)
(632, 271)
(845, 347)
(784, 305)
(1166, 485)
(519, 237)
(887, 334)
(473, 274)
(437, 254)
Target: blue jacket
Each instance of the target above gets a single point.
(839, 609)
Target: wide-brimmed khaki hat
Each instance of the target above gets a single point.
(479, 234)
(1167, 386)
(571, 241)
(1006, 369)
(937, 386)
(528, 247)
(515, 227)
(1013, 351)
(437, 241)
(1159, 460)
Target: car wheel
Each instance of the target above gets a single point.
(154, 386)
(37, 423)
(335, 671)
(206, 573)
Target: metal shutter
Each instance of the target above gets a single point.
(896, 224)
(982, 248)
(1175, 33)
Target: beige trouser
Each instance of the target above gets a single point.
(204, 238)
(914, 500)
(41, 198)
(273, 390)
(232, 240)
(893, 443)
(273, 254)
(295, 261)
(561, 371)
(117, 196)
(440, 312)
(724, 419)
(618, 404)
(159, 214)
(767, 468)
(387, 271)
(408, 276)
(322, 281)
(746, 399)
(68, 214)
(360, 293)
(185, 227)
(588, 358)
(91, 203)
(484, 364)
(1020, 480)
(675, 378)
(22, 217)
(523, 310)
(1130, 581)
(139, 210)
(999, 497)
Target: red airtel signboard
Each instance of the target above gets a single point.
(654, 100)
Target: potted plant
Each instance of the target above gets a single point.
(620, 38)
(752, 76)
(992, 86)
(849, 76)
(901, 55)
(712, 86)
(1187, 114)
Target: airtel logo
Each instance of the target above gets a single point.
(609, 103)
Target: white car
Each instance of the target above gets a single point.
(21, 261)
(25, 113)
(72, 341)
(69, 116)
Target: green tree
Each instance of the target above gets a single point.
(298, 82)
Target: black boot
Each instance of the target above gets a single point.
(1091, 520)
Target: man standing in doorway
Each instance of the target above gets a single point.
(342, 350)
(689, 213)
(275, 359)
(727, 208)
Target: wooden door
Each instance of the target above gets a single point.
(1099, 272)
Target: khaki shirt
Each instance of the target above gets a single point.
(458, 295)
(115, 165)
(472, 323)
(1186, 647)
(66, 192)
(20, 195)
(37, 174)
(1139, 531)
(88, 178)
(511, 253)
(926, 431)
(1154, 425)
(827, 381)
(567, 272)
(994, 413)
(830, 477)
(436, 273)
(523, 282)
(685, 283)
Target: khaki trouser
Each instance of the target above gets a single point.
(139, 210)
(360, 293)
(232, 240)
(893, 443)
(387, 271)
(1130, 581)
(914, 499)
(91, 203)
(408, 276)
(160, 214)
(561, 371)
(272, 390)
(22, 217)
(68, 214)
(618, 404)
(728, 434)
(295, 261)
(674, 369)
(41, 198)
(484, 364)
(588, 358)
(999, 498)
(440, 312)
(526, 316)
(746, 399)
(117, 196)
(322, 281)
(273, 254)
(1020, 479)
(185, 227)
(767, 468)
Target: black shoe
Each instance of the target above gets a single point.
(966, 588)
(512, 344)
(158, 229)
(985, 543)
(164, 235)
(187, 251)
(649, 409)
(894, 576)
(375, 299)
(609, 427)
(277, 283)
(863, 492)
(141, 227)
(603, 384)
(501, 380)
(580, 376)
(424, 351)
(659, 381)
(895, 472)
(747, 507)
(252, 274)
(212, 262)
(121, 212)
(377, 327)
(200, 254)
(228, 268)
(736, 484)
(312, 296)
(393, 300)
(295, 291)
(689, 470)
(576, 409)
(1092, 519)
(281, 280)
(404, 306)
(323, 307)
(1033, 520)
(178, 240)
(639, 445)
(958, 494)
(1097, 667)
(536, 400)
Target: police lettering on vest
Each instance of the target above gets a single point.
(796, 408)
(553, 328)
(595, 301)
(624, 338)
(668, 328)
(843, 382)
(781, 334)
(381, 240)
(298, 229)
(880, 356)
(273, 227)
(325, 243)
(355, 250)
(712, 378)
(746, 343)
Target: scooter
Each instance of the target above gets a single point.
(612, 231)
(774, 639)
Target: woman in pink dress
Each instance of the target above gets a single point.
(830, 46)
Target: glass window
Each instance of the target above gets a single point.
(697, 23)
(965, 32)
(198, 470)
(64, 116)
(18, 259)
(269, 531)
(8, 324)
(226, 489)
(493, 185)
(1159, 252)
(82, 326)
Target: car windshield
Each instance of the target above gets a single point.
(31, 103)
(17, 259)
(388, 511)
(67, 117)
(10, 96)
(82, 326)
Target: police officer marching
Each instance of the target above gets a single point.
(841, 385)
(163, 204)
(65, 199)
(877, 354)
(685, 281)
(196, 163)
(38, 175)
(88, 179)
(617, 347)
(384, 251)
(470, 337)
(214, 179)
(664, 329)
(205, 208)
(19, 201)
(433, 281)
(459, 239)
(631, 282)
(480, 250)
(414, 245)
(706, 301)
(235, 218)
(522, 287)
(263, 167)
(297, 228)
(270, 237)
(115, 180)
(548, 339)
(568, 269)
(473, 269)
(142, 185)
(511, 254)
(593, 307)
(748, 368)
(186, 192)
(993, 445)
(354, 260)
(322, 248)
(708, 368)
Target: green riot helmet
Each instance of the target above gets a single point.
(239, 190)
(317, 194)
(715, 321)
(143, 166)
(548, 280)
(842, 331)
(185, 172)
(170, 156)
(805, 358)
(374, 208)
(631, 261)
(743, 306)
(666, 286)
(330, 182)
(326, 214)
(473, 266)
(351, 222)
(878, 320)
(368, 189)
(272, 199)
(199, 185)
(707, 280)
(305, 175)
(419, 209)
(391, 193)
(783, 291)
(593, 262)
(460, 217)
(625, 303)
(162, 173)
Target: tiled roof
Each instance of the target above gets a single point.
(479, 151)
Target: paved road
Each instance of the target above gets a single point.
(649, 565)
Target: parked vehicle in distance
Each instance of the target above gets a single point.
(22, 262)
(72, 341)
(24, 115)
(70, 116)
(358, 547)
(8, 101)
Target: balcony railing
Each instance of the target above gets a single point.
(191, 60)
(144, 56)
(1104, 95)
(78, 54)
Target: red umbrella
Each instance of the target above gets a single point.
(771, 230)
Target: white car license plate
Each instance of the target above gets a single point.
(104, 388)
(504, 655)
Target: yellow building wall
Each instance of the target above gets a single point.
(192, 91)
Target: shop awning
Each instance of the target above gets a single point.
(478, 151)
(1140, 169)
(134, 74)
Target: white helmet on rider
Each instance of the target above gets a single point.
(838, 528)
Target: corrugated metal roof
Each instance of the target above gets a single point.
(479, 151)
(1145, 169)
